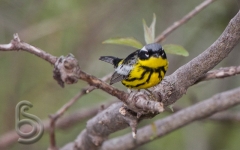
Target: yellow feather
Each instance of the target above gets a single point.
(141, 78)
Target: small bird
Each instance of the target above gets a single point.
(142, 69)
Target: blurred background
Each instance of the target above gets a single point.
(79, 27)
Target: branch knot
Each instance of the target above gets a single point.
(66, 70)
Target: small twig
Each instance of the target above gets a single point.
(61, 111)
(84, 91)
(52, 134)
(220, 73)
(180, 22)
(17, 44)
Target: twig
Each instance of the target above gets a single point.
(60, 112)
(84, 91)
(180, 22)
(52, 134)
(17, 44)
(217, 103)
(220, 73)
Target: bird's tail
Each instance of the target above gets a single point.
(110, 59)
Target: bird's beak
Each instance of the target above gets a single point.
(155, 55)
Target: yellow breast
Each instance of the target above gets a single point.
(146, 73)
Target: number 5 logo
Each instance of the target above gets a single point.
(37, 127)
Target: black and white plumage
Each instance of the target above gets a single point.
(122, 67)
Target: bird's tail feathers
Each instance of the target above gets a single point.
(111, 59)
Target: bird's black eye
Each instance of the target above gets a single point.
(143, 54)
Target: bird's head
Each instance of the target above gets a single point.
(152, 50)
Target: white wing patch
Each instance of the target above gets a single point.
(144, 49)
(124, 69)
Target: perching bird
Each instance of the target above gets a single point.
(142, 69)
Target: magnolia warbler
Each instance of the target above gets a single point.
(142, 69)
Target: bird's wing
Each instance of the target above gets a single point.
(122, 71)
(116, 77)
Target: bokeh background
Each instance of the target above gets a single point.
(79, 27)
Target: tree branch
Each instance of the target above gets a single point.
(180, 22)
(203, 109)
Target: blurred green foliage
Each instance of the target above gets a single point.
(128, 41)
(79, 27)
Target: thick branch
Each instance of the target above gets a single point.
(183, 117)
